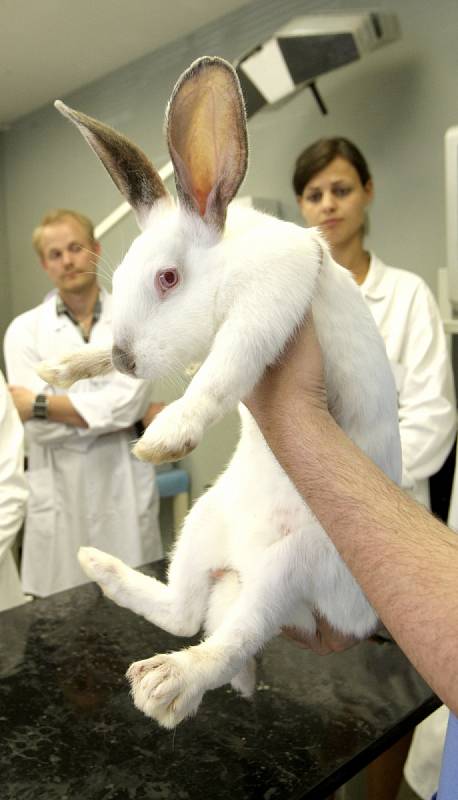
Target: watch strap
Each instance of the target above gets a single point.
(40, 407)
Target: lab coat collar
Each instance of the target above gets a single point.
(59, 321)
(374, 286)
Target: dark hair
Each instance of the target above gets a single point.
(320, 154)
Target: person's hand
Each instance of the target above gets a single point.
(151, 412)
(324, 641)
(23, 399)
(299, 373)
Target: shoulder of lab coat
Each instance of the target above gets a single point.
(383, 281)
(417, 349)
(20, 347)
(13, 490)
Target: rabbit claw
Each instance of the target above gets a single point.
(160, 454)
(172, 435)
(166, 687)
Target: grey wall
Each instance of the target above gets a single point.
(396, 105)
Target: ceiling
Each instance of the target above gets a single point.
(50, 48)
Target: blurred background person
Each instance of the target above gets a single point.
(13, 497)
(85, 486)
(334, 189)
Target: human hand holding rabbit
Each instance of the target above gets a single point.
(299, 372)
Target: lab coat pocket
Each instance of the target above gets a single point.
(41, 488)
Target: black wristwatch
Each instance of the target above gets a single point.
(40, 407)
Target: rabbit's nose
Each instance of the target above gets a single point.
(123, 360)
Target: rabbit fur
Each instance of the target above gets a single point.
(229, 287)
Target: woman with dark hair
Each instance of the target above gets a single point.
(334, 189)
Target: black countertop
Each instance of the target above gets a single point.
(68, 728)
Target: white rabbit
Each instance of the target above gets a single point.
(229, 293)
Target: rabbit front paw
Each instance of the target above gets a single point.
(104, 569)
(58, 372)
(171, 435)
(67, 369)
(167, 688)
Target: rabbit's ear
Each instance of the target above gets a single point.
(130, 169)
(207, 138)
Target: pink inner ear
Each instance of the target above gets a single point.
(203, 172)
(207, 139)
(201, 196)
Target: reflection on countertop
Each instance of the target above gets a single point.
(68, 728)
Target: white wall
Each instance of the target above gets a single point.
(396, 105)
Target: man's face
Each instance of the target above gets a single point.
(69, 257)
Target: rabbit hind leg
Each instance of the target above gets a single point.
(177, 606)
(169, 687)
(224, 593)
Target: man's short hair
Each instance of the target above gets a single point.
(60, 215)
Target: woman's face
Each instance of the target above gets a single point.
(336, 201)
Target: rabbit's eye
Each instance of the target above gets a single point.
(167, 279)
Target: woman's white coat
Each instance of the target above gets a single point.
(408, 319)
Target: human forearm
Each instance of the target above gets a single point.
(117, 405)
(405, 560)
(60, 409)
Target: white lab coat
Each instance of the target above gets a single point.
(85, 486)
(408, 318)
(13, 496)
